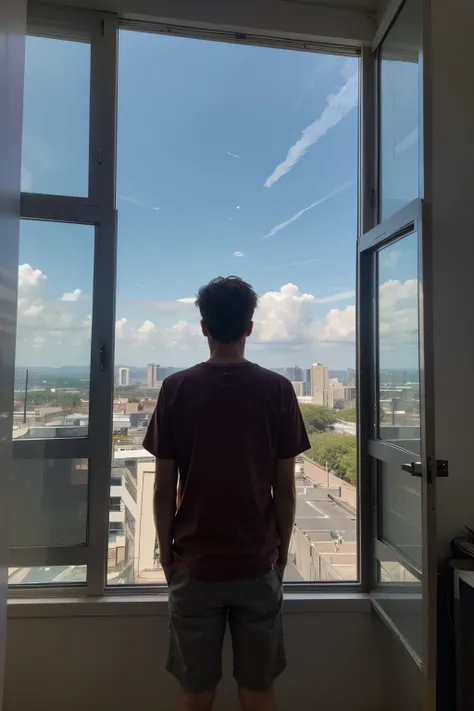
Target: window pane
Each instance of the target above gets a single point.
(49, 502)
(400, 596)
(398, 334)
(55, 153)
(238, 160)
(401, 511)
(48, 575)
(399, 111)
(53, 347)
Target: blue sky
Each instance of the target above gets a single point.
(231, 160)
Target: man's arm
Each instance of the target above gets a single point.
(164, 509)
(284, 495)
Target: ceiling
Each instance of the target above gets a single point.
(372, 6)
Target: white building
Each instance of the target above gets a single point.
(298, 387)
(152, 375)
(124, 376)
(319, 382)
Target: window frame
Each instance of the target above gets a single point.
(98, 208)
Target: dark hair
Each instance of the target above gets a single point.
(227, 305)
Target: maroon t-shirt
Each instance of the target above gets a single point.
(225, 425)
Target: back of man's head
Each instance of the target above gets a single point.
(227, 305)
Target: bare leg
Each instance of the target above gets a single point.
(257, 700)
(196, 702)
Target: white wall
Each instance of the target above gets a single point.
(12, 33)
(452, 187)
(110, 662)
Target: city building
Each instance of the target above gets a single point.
(298, 387)
(319, 382)
(294, 373)
(124, 376)
(152, 375)
(350, 376)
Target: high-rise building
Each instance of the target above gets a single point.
(298, 387)
(294, 373)
(124, 376)
(152, 375)
(319, 382)
(350, 376)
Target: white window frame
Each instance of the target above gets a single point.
(98, 210)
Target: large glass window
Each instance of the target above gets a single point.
(398, 343)
(237, 160)
(400, 111)
(55, 151)
(53, 351)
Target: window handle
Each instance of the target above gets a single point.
(413, 468)
(103, 357)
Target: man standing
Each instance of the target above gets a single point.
(228, 431)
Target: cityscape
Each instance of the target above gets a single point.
(54, 403)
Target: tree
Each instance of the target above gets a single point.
(317, 418)
(348, 415)
(339, 451)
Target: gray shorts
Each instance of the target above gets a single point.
(198, 617)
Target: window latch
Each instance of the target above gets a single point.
(102, 358)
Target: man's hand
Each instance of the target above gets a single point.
(281, 563)
(169, 571)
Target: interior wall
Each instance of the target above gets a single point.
(111, 662)
(402, 679)
(12, 38)
(452, 189)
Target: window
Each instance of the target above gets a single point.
(230, 159)
(399, 111)
(238, 160)
(55, 155)
(64, 330)
(53, 350)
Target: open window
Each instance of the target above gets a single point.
(395, 355)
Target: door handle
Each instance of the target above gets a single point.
(413, 468)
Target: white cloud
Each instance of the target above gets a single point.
(389, 258)
(337, 107)
(339, 325)
(32, 310)
(72, 296)
(187, 300)
(340, 296)
(294, 264)
(238, 254)
(138, 203)
(233, 155)
(30, 280)
(282, 225)
(284, 316)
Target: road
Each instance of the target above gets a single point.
(317, 514)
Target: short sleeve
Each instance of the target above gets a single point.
(159, 439)
(292, 438)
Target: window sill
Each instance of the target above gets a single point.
(157, 606)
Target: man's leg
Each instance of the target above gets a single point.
(189, 701)
(256, 624)
(257, 700)
(197, 628)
